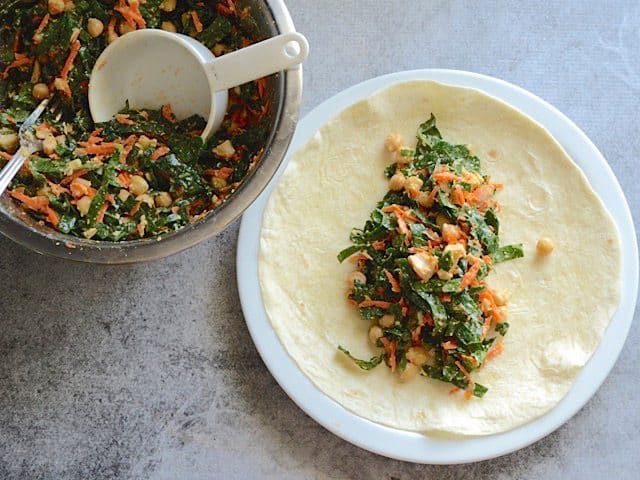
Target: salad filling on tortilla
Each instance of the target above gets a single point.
(422, 259)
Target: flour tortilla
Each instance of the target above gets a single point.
(559, 306)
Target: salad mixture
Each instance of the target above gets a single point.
(144, 173)
(422, 259)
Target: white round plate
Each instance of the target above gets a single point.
(411, 446)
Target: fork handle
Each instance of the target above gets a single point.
(11, 169)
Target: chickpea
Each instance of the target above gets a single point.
(49, 144)
(83, 205)
(9, 142)
(73, 166)
(126, 28)
(375, 332)
(444, 275)
(544, 246)
(409, 372)
(417, 355)
(219, 49)
(387, 321)
(163, 199)
(138, 185)
(168, 26)
(356, 277)
(501, 297)
(218, 183)
(95, 27)
(89, 233)
(393, 142)
(123, 194)
(56, 7)
(424, 200)
(224, 150)
(413, 184)
(145, 198)
(450, 232)
(441, 220)
(168, 5)
(396, 183)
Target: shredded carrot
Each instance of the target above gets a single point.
(196, 21)
(262, 87)
(77, 174)
(160, 152)
(374, 303)
(18, 62)
(103, 210)
(57, 189)
(390, 350)
(16, 42)
(227, 10)
(445, 177)
(123, 119)
(135, 208)
(107, 148)
(43, 24)
(457, 196)
(38, 203)
(167, 113)
(223, 173)
(127, 146)
(379, 245)
(124, 179)
(486, 325)
(470, 359)
(428, 320)
(395, 285)
(449, 345)
(493, 309)
(454, 390)
(79, 190)
(469, 276)
(131, 13)
(404, 229)
(6, 155)
(399, 211)
(416, 339)
(496, 350)
(111, 28)
(470, 385)
(68, 64)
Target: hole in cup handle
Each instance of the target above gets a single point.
(277, 53)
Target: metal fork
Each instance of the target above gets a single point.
(29, 144)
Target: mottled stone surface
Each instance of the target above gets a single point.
(148, 371)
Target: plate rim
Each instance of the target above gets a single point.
(412, 446)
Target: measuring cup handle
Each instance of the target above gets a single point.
(256, 61)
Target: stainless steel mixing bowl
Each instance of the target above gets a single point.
(271, 17)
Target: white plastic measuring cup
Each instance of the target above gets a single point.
(150, 68)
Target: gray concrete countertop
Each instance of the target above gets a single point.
(148, 371)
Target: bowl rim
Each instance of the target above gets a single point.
(50, 242)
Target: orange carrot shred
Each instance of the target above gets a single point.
(374, 303)
(390, 350)
(68, 64)
(395, 285)
(196, 21)
(160, 152)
